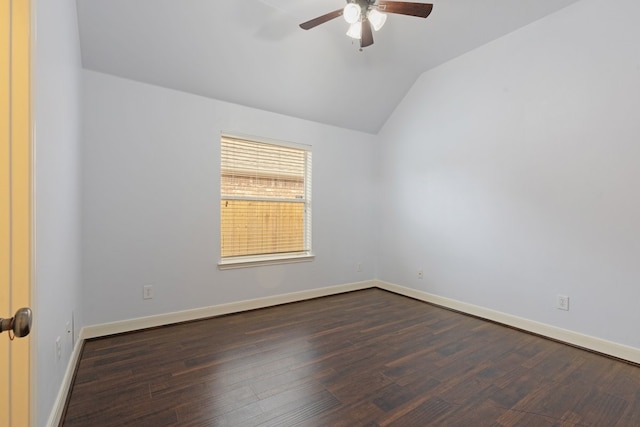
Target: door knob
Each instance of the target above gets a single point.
(20, 324)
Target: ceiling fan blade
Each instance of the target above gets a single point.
(421, 10)
(367, 35)
(321, 19)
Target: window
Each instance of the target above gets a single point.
(265, 202)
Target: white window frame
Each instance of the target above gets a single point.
(225, 263)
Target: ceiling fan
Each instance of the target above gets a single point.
(363, 15)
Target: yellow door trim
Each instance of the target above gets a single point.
(5, 136)
(21, 215)
(16, 203)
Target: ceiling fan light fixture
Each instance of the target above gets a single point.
(355, 30)
(376, 18)
(366, 16)
(351, 13)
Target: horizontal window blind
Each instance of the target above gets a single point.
(265, 198)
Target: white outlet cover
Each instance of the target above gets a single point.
(563, 302)
(147, 292)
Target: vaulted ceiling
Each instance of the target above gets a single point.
(252, 52)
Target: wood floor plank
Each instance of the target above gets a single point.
(366, 358)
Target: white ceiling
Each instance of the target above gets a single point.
(252, 52)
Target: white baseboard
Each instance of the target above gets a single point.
(95, 331)
(58, 406)
(599, 345)
(588, 342)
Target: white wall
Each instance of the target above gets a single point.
(57, 118)
(510, 174)
(151, 202)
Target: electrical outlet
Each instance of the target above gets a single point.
(420, 274)
(563, 302)
(147, 292)
(58, 348)
(359, 267)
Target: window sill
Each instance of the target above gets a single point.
(255, 261)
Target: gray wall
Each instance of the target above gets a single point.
(57, 115)
(510, 174)
(151, 191)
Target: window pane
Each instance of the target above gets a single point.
(265, 198)
(261, 170)
(261, 187)
(258, 227)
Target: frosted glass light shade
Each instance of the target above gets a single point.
(355, 30)
(376, 18)
(352, 13)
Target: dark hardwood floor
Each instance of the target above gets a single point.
(366, 358)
